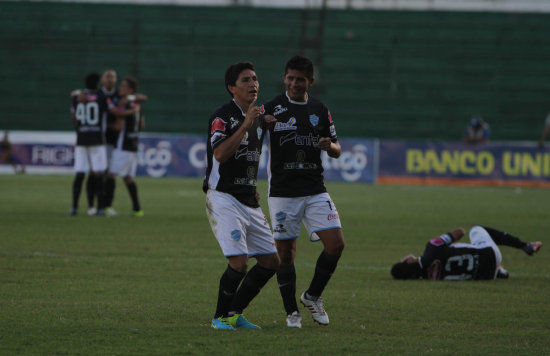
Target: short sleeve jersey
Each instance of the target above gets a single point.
(128, 136)
(444, 261)
(90, 119)
(295, 159)
(238, 175)
(111, 135)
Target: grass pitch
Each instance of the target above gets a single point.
(147, 286)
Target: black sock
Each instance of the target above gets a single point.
(90, 189)
(229, 282)
(286, 277)
(253, 282)
(77, 187)
(132, 189)
(100, 190)
(110, 184)
(504, 238)
(326, 264)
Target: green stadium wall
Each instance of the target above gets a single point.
(388, 74)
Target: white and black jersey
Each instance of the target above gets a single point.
(90, 118)
(295, 160)
(111, 135)
(128, 136)
(238, 175)
(443, 260)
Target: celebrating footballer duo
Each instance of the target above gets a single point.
(298, 127)
(107, 123)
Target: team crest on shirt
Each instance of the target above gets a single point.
(280, 216)
(314, 119)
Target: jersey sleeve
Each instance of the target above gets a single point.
(218, 129)
(435, 248)
(331, 128)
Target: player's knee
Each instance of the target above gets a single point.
(336, 248)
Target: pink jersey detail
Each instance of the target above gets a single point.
(438, 241)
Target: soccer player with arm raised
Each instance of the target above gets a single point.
(235, 134)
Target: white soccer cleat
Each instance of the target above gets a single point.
(294, 320)
(316, 308)
(110, 212)
(91, 211)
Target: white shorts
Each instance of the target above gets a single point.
(317, 212)
(88, 158)
(239, 229)
(480, 238)
(123, 163)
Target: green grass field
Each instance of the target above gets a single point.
(147, 286)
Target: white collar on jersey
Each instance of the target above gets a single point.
(297, 102)
(242, 112)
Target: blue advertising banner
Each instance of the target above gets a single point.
(498, 163)
(164, 155)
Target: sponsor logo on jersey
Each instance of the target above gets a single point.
(286, 126)
(251, 156)
(235, 235)
(259, 132)
(245, 139)
(314, 119)
(279, 109)
(233, 122)
(218, 125)
(332, 131)
(279, 228)
(300, 140)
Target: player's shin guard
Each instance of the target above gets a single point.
(90, 189)
(504, 238)
(326, 265)
(132, 190)
(110, 184)
(229, 282)
(77, 187)
(286, 278)
(253, 282)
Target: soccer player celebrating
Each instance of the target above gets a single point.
(124, 155)
(444, 259)
(90, 119)
(235, 135)
(297, 192)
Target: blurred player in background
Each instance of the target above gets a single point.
(297, 193)
(235, 135)
(124, 155)
(444, 259)
(90, 118)
(7, 156)
(477, 131)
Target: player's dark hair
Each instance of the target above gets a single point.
(301, 63)
(92, 81)
(404, 270)
(132, 83)
(233, 71)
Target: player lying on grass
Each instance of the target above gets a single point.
(445, 259)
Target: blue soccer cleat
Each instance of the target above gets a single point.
(239, 321)
(221, 324)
